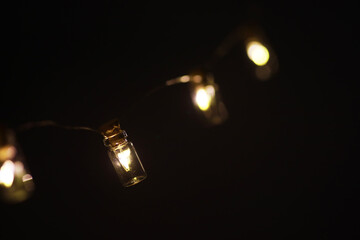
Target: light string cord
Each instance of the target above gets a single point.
(230, 40)
(50, 123)
(47, 123)
(152, 91)
(221, 51)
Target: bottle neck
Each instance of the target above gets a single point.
(117, 139)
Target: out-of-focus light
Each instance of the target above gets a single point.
(16, 183)
(206, 98)
(197, 78)
(122, 154)
(19, 168)
(258, 53)
(184, 79)
(7, 173)
(7, 152)
(124, 159)
(210, 90)
(263, 73)
(26, 178)
(203, 99)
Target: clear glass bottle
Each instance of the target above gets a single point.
(16, 182)
(122, 154)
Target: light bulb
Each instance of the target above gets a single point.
(16, 184)
(122, 154)
(258, 53)
(7, 173)
(206, 98)
(203, 99)
(264, 58)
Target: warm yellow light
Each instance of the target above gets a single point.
(7, 171)
(124, 159)
(197, 78)
(7, 152)
(210, 90)
(184, 79)
(258, 53)
(203, 99)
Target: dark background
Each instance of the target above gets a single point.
(282, 167)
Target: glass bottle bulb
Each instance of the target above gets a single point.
(16, 183)
(122, 154)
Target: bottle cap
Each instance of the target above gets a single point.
(113, 135)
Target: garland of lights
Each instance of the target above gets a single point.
(16, 182)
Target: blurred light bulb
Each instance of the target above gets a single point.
(203, 99)
(7, 172)
(184, 79)
(122, 154)
(206, 98)
(258, 53)
(197, 78)
(7, 152)
(210, 90)
(16, 183)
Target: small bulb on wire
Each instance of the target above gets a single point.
(16, 182)
(257, 53)
(206, 98)
(203, 98)
(262, 56)
(122, 154)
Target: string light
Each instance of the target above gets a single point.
(206, 98)
(262, 56)
(16, 182)
(256, 46)
(205, 95)
(257, 53)
(122, 154)
(203, 98)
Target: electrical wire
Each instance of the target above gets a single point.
(46, 123)
(224, 47)
(151, 92)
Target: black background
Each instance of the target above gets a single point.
(281, 167)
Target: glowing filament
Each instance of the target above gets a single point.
(7, 173)
(258, 53)
(124, 159)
